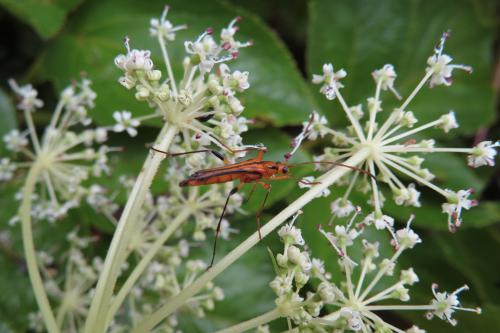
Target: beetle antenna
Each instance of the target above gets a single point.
(296, 142)
(334, 164)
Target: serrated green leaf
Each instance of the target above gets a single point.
(95, 37)
(362, 36)
(46, 17)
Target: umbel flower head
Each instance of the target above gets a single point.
(353, 302)
(203, 105)
(393, 151)
(65, 156)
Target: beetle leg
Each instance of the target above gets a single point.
(259, 213)
(251, 192)
(217, 230)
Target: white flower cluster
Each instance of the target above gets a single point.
(355, 301)
(66, 157)
(70, 286)
(204, 103)
(392, 150)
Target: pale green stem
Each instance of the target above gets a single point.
(403, 106)
(146, 259)
(347, 270)
(404, 149)
(29, 250)
(96, 320)
(253, 323)
(147, 323)
(388, 159)
(376, 199)
(376, 319)
(351, 186)
(166, 58)
(352, 119)
(32, 131)
(55, 117)
(373, 112)
(413, 131)
(399, 307)
(382, 294)
(367, 262)
(149, 116)
(381, 273)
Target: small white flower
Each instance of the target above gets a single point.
(441, 69)
(27, 96)
(163, 27)
(101, 134)
(448, 122)
(415, 329)
(380, 221)
(125, 122)
(205, 51)
(483, 154)
(446, 304)
(353, 318)
(281, 285)
(407, 238)
(457, 201)
(342, 207)
(236, 80)
(408, 119)
(15, 141)
(386, 76)
(298, 258)
(408, 277)
(330, 80)
(291, 235)
(407, 196)
(134, 60)
(317, 127)
(326, 292)
(7, 169)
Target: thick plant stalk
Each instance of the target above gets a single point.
(253, 323)
(143, 264)
(29, 250)
(96, 320)
(329, 178)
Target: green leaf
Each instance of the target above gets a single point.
(7, 117)
(362, 36)
(452, 260)
(94, 38)
(46, 17)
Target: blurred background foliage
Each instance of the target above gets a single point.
(50, 43)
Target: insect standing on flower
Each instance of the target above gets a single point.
(254, 171)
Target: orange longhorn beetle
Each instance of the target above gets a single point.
(253, 170)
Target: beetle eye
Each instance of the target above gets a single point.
(285, 169)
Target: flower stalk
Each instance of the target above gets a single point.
(253, 323)
(29, 250)
(96, 321)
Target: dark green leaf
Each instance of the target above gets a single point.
(7, 116)
(46, 17)
(362, 36)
